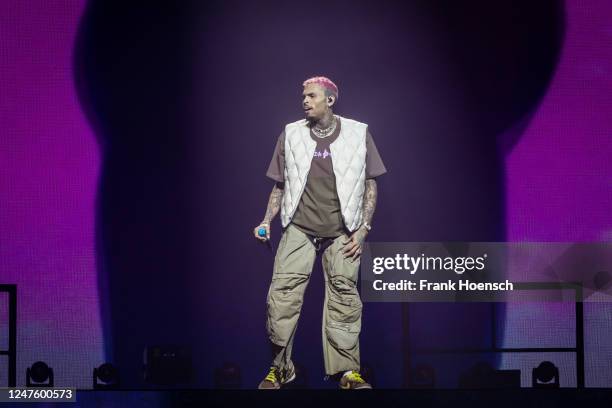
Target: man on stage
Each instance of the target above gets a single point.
(324, 167)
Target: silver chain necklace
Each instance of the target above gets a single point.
(323, 133)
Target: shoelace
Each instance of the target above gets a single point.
(355, 376)
(271, 375)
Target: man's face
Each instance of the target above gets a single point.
(314, 102)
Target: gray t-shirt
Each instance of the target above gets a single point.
(318, 212)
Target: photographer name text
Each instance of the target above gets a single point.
(449, 286)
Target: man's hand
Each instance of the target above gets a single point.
(352, 246)
(274, 203)
(265, 226)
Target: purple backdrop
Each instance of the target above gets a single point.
(558, 176)
(49, 164)
(559, 186)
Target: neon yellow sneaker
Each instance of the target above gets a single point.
(276, 378)
(353, 381)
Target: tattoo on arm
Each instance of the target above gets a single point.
(274, 202)
(369, 200)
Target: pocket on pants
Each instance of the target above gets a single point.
(284, 303)
(343, 335)
(280, 312)
(344, 309)
(343, 322)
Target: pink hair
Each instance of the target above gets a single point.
(324, 82)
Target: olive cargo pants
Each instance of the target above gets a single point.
(341, 309)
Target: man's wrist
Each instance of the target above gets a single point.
(367, 226)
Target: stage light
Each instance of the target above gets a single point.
(167, 365)
(228, 376)
(546, 375)
(105, 377)
(423, 376)
(601, 280)
(39, 375)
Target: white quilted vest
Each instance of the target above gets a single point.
(348, 155)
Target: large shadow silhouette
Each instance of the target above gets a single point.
(133, 80)
(187, 101)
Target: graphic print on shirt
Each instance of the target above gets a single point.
(324, 155)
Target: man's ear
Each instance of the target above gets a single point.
(331, 100)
